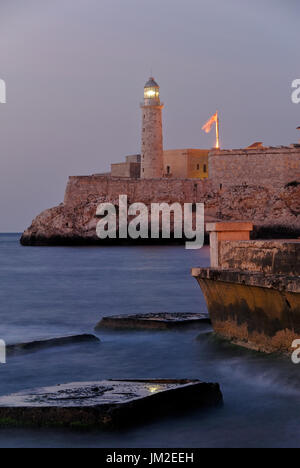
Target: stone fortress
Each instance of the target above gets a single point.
(258, 183)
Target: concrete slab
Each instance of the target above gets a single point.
(161, 321)
(36, 345)
(107, 403)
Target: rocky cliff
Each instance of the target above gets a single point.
(275, 211)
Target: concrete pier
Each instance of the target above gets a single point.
(219, 232)
(253, 294)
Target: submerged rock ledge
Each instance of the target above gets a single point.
(159, 321)
(36, 345)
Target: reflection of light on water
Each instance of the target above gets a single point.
(153, 389)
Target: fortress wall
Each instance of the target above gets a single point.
(274, 211)
(268, 167)
(81, 189)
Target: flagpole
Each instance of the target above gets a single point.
(218, 132)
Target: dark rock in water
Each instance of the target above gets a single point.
(110, 403)
(36, 345)
(163, 320)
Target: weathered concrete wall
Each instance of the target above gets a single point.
(253, 297)
(225, 231)
(280, 257)
(254, 310)
(268, 167)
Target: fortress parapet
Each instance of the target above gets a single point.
(266, 166)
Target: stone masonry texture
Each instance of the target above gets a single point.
(152, 142)
(266, 167)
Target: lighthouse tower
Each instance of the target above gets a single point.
(152, 136)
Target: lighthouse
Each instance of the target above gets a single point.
(152, 135)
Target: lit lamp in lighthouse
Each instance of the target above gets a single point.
(151, 93)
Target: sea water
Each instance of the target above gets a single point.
(52, 291)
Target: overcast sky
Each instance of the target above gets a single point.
(75, 71)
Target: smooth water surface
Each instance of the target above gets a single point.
(54, 291)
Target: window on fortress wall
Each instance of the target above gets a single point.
(198, 167)
(168, 170)
(205, 168)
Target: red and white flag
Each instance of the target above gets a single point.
(208, 126)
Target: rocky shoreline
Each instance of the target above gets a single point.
(273, 211)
